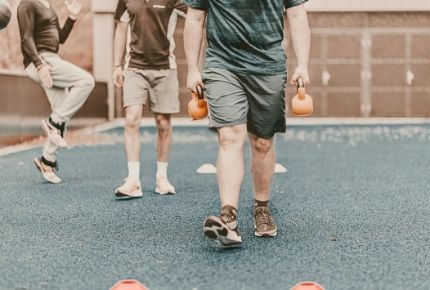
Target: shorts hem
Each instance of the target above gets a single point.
(217, 125)
(268, 136)
(155, 111)
(137, 103)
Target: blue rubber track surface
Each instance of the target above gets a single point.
(353, 213)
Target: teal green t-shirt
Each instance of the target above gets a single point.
(245, 36)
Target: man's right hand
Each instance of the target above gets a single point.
(44, 72)
(194, 78)
(118, 77)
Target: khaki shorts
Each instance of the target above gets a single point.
(255, 100)
(160, 86)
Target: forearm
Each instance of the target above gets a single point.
(193, 36)
(66, 30)
(120, 42)
(300, 34)
(29, 48)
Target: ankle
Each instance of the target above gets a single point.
(260, 203)
(162, 169)
(229, 211)
(134, 170)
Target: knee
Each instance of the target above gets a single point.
(163, 125)
(262, 146)
(132, 121)
(88, 81)
(230, 137)
(91, 82)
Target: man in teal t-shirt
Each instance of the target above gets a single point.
(244, 79)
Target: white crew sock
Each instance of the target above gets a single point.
(134, 170)
(162, 169)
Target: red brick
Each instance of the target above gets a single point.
(388, 46)
(345, 75)
(344, 46)
(388, 105)
(389, 75)
(343, 105)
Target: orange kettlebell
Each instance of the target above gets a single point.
(303, 104)
(198, 107)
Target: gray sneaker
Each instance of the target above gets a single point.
(223, 228)
(263, 222)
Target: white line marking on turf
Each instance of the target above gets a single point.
(17, 149)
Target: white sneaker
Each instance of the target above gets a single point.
(54, 134)
(130, 189)
(163, 186)
(49, 175)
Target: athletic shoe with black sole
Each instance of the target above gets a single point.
(224, 228)
(129, 190)
(51, 175)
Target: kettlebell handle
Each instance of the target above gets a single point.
(200, 92)
(301, 91)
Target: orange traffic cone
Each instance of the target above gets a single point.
(129, 285)
(307, 286)
(302, 104)
(198, 107)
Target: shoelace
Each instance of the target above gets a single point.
(263, 216)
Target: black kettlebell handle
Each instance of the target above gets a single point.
(300, 83)
(200, 92)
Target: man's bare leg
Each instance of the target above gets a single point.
(132, 187)
(263, 167)
(230, 171)
(230, 168)
(133, 117)
(164, 142)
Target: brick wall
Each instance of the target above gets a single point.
(378, 64)
(360, 62)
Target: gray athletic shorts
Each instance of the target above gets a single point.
(255, 100)
(160, 86)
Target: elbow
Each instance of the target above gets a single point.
(297, 12)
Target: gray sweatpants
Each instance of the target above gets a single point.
(71, 88)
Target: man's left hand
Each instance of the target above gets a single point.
(74, 8)
(301, 72)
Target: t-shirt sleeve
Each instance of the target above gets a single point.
(198, 4)
(181, 6)
(293, 3)
(26, 23)
(121, 13)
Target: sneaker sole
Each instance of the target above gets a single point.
(123, 196)
(160, 192)
(215, 230)
(271, 234)
(45, 127)
(39, 167)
